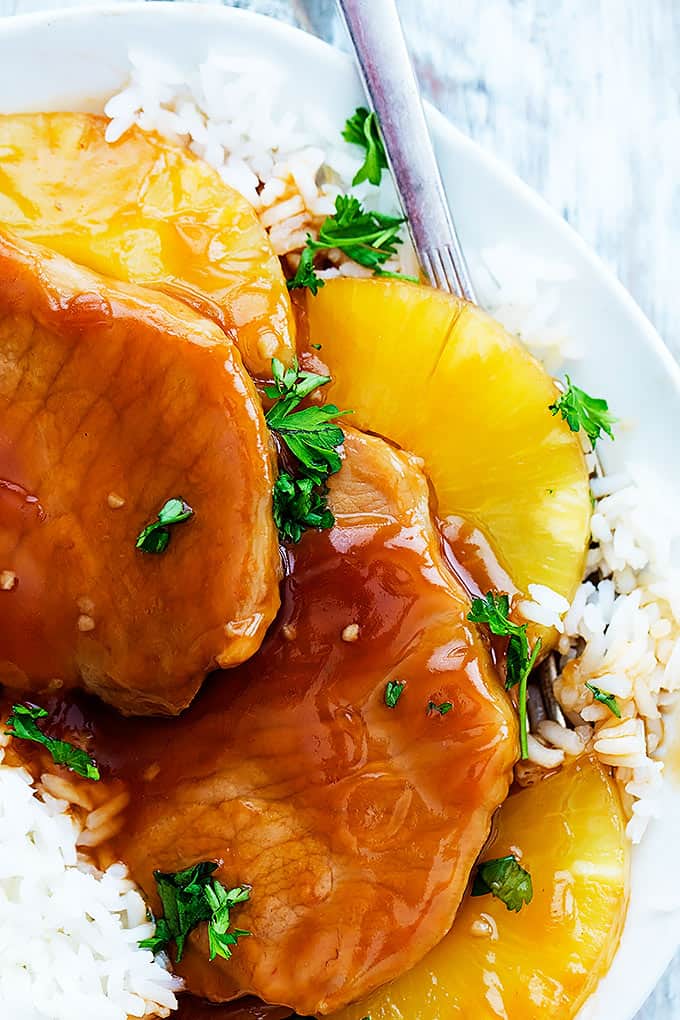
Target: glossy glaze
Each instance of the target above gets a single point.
(356, 824)
(108, 390)
(146, 210)
(543, 963)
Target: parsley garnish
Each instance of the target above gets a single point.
(310, 434)
(387, 275)
(494, 612)
(581, 411)
(291, 382)
(505, 879)
(23, 726)
(154, 538)
(369, 238)
(190, 897)
(306, 274)
(362, 129)
(393, 691)
(298, 505)
(442, 708)
(313, 438)
(605, 699)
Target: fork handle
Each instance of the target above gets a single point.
(391, 85)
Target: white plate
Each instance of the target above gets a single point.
(71, 59)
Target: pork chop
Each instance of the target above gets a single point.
(356, 823)
(114, 400)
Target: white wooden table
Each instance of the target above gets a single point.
(582, 99)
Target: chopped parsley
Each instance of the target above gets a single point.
(363, 129)
(581, 411)
(367, 237)
(506, 879)
(190, 897)
(306, 274)
(23, 725)
(299, 504)
(313, 438)
(442, 708)
(605, 699)
(155, 537)
(494, 610)
(387, 275)
(393, 691)
(310, 433)
(291, 382)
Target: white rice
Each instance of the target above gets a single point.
(68, 932)
(289, 163)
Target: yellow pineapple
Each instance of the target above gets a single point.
(442, 379)
(543, 962)
(146, 210)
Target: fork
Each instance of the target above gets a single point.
(392, 89)
(391, 85)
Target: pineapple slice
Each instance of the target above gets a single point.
(545, 961)
(146, 210)
(442, 379)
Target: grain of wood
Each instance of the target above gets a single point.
(582, 99)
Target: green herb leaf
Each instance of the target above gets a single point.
(305, 275)
(605, 699)
(23, 725)
(394, 276)
(222, 901)
(291, 382)
(393, 691)
(362, 129)
(155, 537)
(298, 505)
(369, 238)
(442, 708)
(190, 897)
(494, 610)
(160, 940)
(310, 434)
(505, 879)
(581, 411)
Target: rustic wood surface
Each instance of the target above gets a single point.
(582, 99)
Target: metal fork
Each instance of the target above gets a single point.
(392, 90)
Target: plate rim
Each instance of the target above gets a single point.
(604, 277)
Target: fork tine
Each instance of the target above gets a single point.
(446, 270)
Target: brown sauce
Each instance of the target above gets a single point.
(248, 1008)
(116, 742)
(388, 582)
(245, 716)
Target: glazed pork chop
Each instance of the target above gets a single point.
(355, 823)
(114, 400)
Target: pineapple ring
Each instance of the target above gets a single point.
(147, 211)
(442, 379)
(545, 961)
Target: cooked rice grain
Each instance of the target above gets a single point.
(68, 932)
